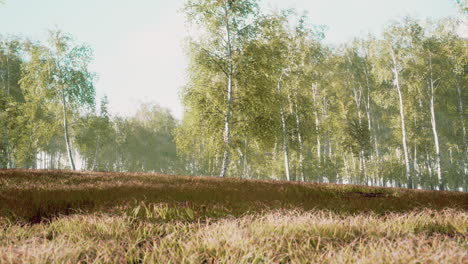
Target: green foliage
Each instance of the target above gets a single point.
(359, 137)
(144, 142)
(41, 86)
(268, 80)
(341, 110)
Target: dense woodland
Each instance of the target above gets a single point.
(265, 98)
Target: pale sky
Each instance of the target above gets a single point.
(138, 43)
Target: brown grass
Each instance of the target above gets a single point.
(71, 217)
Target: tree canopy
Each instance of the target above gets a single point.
(265, 97)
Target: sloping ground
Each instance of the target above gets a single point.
(62, 216)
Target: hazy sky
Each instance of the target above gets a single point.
(137, 43)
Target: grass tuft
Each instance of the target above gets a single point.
(73, 217)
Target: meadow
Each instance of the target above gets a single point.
(52, 216)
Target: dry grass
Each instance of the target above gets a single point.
(65, 217)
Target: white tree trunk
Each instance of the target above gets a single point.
(416, 168)
(345, 162)
(429, 169)
(228, 114)
(373, 134)
(464, 144)
(317, 127)
(285, 131)
(460, 106)
(434, 129)
(396, 82)
(299, 136)
(355, 180)
(299, 141)
(66, 134)
(436, 145)
(96, 153)
(362, 158)
(6, 142)
(227, 130)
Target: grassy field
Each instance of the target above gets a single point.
(84, 217)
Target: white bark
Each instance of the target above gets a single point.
(362, 161)
(364, 167)
(66, 134)
(317, 127)
(373, 134)
(6, 142)
(328, 140)
(460, 106)
(416, 168)
(434, 127)
(355, 181)
(285, 131)
(464, 144)
(299, 140)
(429, 168)
(299, 136)
(228, 114)
(243, 159)
(345, 161)
(96, 153)
(396, 82)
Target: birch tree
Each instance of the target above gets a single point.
(276, 37)
(10, 94)
(399, 44)
(61, 68)
(226, 24)
(433, 82)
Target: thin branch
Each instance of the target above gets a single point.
(212, 55)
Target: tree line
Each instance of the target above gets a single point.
(49, 117)
(265, 98)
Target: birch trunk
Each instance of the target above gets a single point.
(317, 127)
(241, 162)
(368, 108)
(96, 153)
(434, 128)
(460, 106)
(355, 181)
(464, 144)
(299, 138)
(373, 134)
(362, 161)
(345, 162)
(429, 169)
(66, 134)
(396, 82)
(301, 156)
(364, 167)
(285, 131)
(7, 143)
(5, 138)
(416, 168)
(228, 114)
(4, 156)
